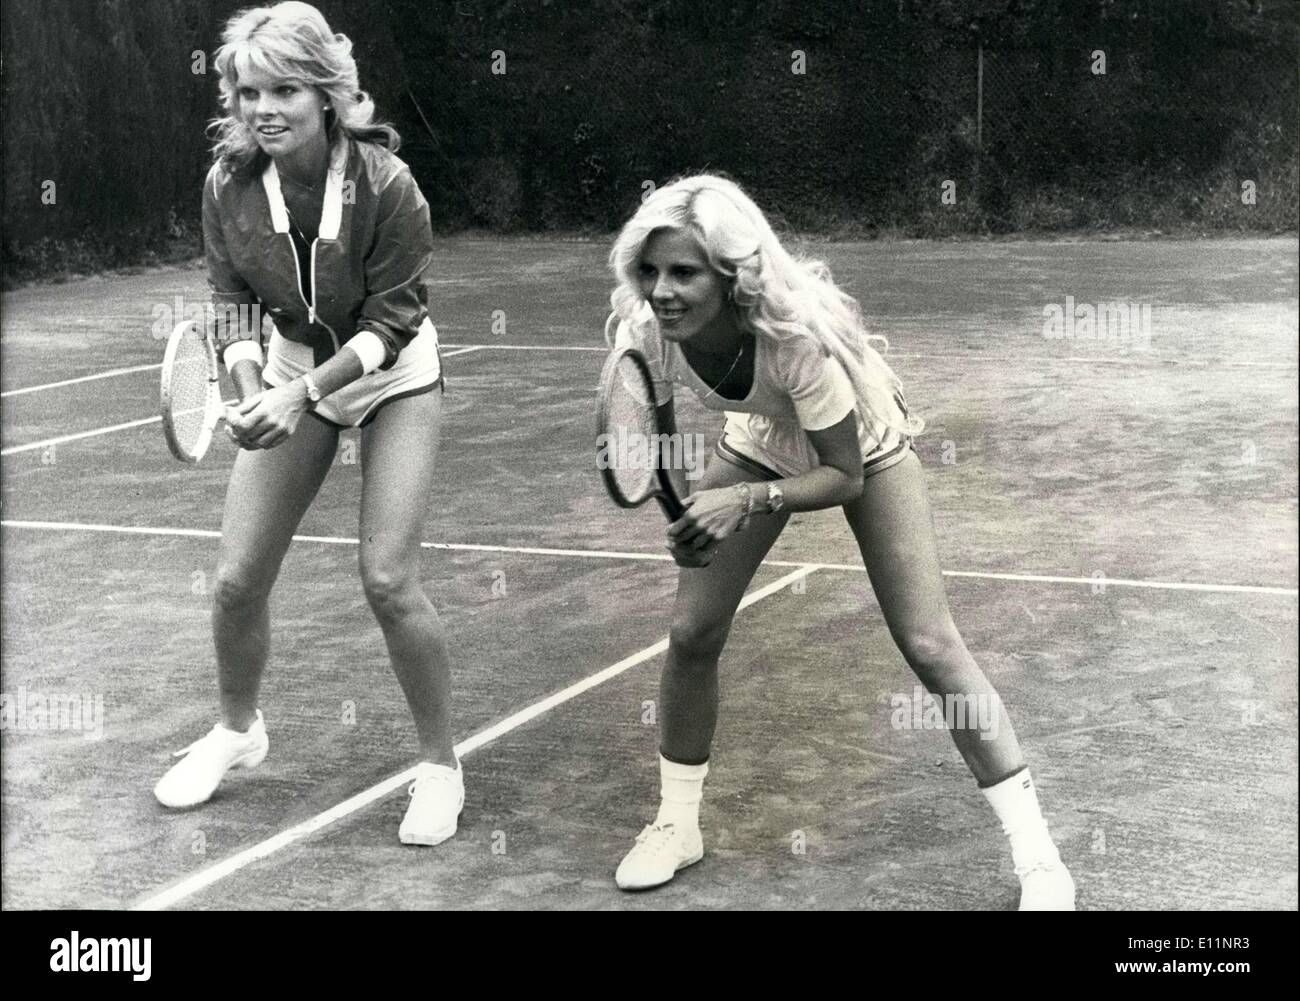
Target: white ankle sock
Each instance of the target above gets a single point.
(682, 788)
(1016, 804)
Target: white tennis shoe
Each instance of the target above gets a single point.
(1046, 886)
(437, 797)
(659, 853)
(195, 778)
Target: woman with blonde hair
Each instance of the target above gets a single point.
(309, 216)
(814, 418)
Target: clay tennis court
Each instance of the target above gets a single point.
(1118, 524)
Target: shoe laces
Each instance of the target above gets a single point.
(444, 776)
(661, 834)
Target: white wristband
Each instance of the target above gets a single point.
(370, 348)
(237, 351)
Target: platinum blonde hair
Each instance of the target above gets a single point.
(290, 40)
(776, 295)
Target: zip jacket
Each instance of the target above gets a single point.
(366, 270)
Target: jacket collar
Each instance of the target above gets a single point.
(331, 211)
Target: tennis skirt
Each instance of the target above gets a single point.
(418, 370)
(775, 450)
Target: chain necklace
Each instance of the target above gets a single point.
(298, 184)
(305, 257)
(296, 228)
(713, 389)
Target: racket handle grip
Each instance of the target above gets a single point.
(671, 508)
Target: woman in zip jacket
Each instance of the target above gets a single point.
(310, 218)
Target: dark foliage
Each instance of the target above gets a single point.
(598, 99)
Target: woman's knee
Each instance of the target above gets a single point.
(937, 655)
(698, 638)
(392, 591)
(239, 589)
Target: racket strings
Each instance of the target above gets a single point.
(631, 427)
(189, 391)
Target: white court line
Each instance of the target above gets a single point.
(227, 867)
(60, 526)
(149, 368)
(15, 449)
(460, 349)
(1103, 582)
(45, 443)
(32, 446)
(604, 554)
(85, 378)
(1161, 585)
(1137, 360)
(530, 347)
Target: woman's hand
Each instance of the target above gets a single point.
(269, 417)
(711, 516)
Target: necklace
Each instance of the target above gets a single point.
(296, 228)
(736, 361)
(298, 184)
(305, 255)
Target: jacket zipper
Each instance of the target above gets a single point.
(312, 318)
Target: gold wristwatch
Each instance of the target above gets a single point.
(775, 498)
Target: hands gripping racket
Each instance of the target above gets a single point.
(191, 397)
(627, 430)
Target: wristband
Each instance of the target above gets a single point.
(370, 348)
(237, 351)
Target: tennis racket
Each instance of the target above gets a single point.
(191, 396)
(629, 440)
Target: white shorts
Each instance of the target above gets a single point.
(418, 370)
(774, 451)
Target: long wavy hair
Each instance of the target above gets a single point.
(776, 295)
(290, 40)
